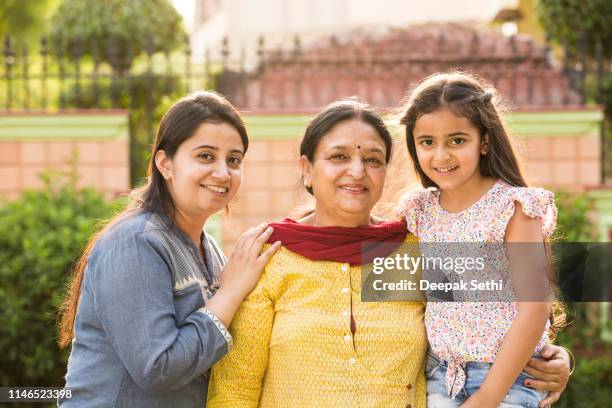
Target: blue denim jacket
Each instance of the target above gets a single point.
(142, 335)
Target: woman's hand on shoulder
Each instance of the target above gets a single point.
(242, 271)
(247, 261)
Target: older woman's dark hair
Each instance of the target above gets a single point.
(337, 112)
(177, 125)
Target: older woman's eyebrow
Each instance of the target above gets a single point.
(338, 147)
(375, 150)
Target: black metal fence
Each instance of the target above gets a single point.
(52, 76)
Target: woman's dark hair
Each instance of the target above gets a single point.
(176, 126)
(340, 111)
(468, 97)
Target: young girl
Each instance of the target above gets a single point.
(475, 192)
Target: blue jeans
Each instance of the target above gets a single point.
(437, 396)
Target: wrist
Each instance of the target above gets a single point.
(231, 295)
(571, 360)
(486, 397)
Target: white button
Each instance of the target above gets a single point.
(347, 338)
(344, 268)
(345, 290)
(352, 360)
(345, 313)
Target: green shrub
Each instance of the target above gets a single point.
(41, 234)
(573, 223)
(589, 385)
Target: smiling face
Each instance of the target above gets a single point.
(347, 173)
(206, 170)
(448, 148)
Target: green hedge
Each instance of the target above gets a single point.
(589, 385)
(41, 235)
(43, 232)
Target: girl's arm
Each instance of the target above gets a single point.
(528, 266)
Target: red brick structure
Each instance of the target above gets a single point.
(94, 144)
(382, 68)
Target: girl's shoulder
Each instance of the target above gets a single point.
(415, 199)
(535, 202)
(413, 204)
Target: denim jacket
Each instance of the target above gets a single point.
(142, 335)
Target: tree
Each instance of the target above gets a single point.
(24, 19)
(116, 31)
(567, 20)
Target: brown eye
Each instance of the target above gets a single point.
(374, 160)
(205, 156)
(235, 161)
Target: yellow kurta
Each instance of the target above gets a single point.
(293, 345)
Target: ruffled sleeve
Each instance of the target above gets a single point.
(537, 203)
(411, 208)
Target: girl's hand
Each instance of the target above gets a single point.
(241, 272)
(551, 374)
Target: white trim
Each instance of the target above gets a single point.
(220, 326)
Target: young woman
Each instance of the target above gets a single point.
(148, 306)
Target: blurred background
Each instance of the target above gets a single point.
(84, 83)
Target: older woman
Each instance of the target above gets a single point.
(303, 338)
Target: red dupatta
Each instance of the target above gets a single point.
(340, 244)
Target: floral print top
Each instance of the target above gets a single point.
(460, 332)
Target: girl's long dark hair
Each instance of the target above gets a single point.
(177, 125)
(467, 97)
(470, 97)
